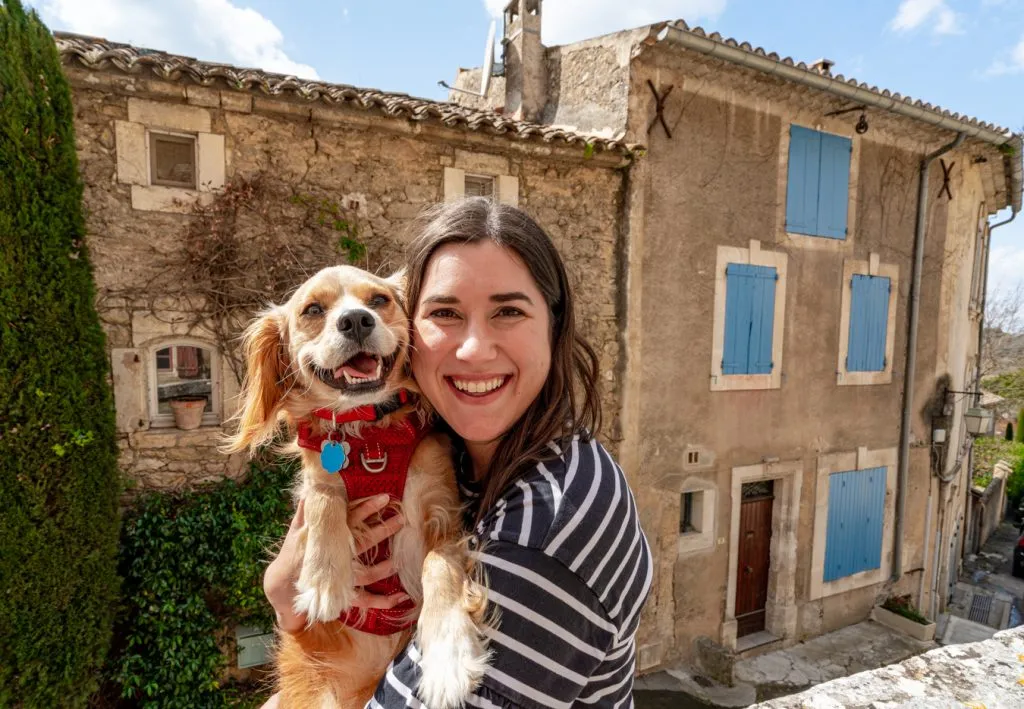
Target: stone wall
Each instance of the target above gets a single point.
(382, 171)
(988, 674)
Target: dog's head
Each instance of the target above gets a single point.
(341, 341)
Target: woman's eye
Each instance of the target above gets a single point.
(444, 314)
(378, 301)
(313, 309)
(510, 312)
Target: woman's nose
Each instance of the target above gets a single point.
(477, 346)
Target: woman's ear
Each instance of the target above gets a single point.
(264, 386)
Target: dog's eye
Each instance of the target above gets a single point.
(313, 309)
(378, 301)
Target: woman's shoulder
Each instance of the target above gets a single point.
(577, 508)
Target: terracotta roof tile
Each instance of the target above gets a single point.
(95, 53)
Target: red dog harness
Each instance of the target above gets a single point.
(376, 462)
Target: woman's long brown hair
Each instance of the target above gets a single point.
(569, 402)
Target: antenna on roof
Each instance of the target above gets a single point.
(485, 74)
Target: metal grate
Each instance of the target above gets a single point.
(980, 608)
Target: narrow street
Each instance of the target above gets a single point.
(988, 598)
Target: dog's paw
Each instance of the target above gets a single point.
(454, 658)
(322, 602)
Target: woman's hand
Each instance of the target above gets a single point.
(282, 573)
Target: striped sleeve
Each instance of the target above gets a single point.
(551, 637)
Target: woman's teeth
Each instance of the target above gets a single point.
(478, 387)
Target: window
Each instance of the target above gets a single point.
(869, 321)
(478, 186)
(818, 183)
(867, 327)
(182, 372)
(172, 160)
(749, 319)
(690, 516)
(693, 457)
(165, 359)
(856, 510)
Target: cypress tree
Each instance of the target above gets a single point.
(1018, 433)
(58, 476)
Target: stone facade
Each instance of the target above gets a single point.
(383, 171)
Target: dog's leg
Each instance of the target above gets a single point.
(449, 632)
(326, 585)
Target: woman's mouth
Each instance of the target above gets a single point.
(478, 388)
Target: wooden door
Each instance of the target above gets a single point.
(754, 557)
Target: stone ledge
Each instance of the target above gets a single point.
(988, 674)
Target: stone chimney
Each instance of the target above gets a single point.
(526, 75)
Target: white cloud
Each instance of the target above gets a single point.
(915, 13)
(213, 30)
(1013, 64)
(572, 20)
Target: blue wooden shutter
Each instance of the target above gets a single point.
(869, 323)
(856, 508)
(833, 185)
(802, 183)
(749, 319)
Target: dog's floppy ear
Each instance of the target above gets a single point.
(266, 375)
(398, 281)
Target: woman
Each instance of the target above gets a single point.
(497, 354)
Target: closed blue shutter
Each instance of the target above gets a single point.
(749, 319)
(833, 185)
(802, 183)
(856, 508)
(869, 323)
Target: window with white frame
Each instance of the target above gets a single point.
(696, 517)
(183, 374)
(459, 183)
(172, 160)
(750, 297)
(867, 322)
(479, 186)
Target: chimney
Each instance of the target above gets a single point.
(526, 76)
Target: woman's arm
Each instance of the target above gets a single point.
(551, 640)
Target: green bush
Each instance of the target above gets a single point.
(192, 565)
(989, 450)
(59, 478)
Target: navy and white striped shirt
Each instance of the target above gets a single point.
(569, 569)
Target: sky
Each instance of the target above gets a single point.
(965, 55)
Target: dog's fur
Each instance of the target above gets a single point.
(290, 350)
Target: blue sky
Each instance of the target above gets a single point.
(966, 55)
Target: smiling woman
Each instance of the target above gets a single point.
(496, 351)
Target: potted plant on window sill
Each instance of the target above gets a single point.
(899, 613)
(188, 411)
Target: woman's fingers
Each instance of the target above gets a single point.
(371, 574)
(371, 600)
(378, 533)
(361, 510)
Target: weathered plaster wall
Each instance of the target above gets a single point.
(391, 169)
(720, 181)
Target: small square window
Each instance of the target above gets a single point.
(691, 513)
(183, 373)
(172, 160)
(693, 457)
(479, 186)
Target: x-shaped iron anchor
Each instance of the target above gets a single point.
(659, 108)
(946, 171)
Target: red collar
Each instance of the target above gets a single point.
(370, 412)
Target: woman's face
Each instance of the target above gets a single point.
(481, 338)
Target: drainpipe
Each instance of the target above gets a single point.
(911, 366)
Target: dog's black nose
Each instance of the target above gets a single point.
(356, 324)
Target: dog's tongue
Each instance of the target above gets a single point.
(362, 365)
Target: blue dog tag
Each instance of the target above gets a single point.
(334, 455)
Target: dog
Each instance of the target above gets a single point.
(331, 366)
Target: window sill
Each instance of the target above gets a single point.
(745, 382)
(693, 542)
(864, 378)
(174, 200)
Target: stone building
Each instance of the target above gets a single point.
(748, 278)
(791, 477)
